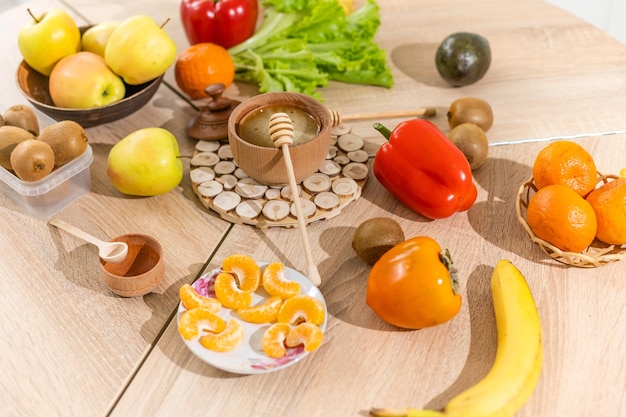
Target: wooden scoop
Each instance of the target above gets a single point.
(281, 132)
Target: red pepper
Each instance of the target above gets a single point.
(423, 169)
(223, 22)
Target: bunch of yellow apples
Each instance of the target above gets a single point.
(92, 69)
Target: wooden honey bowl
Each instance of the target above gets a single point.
(264, 162)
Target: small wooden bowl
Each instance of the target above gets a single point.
(140, 272)
(597, 254)
(34, 86)
(265, 164)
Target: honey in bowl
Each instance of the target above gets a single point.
(254, 127)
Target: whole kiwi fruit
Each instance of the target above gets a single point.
(10, 137)
(22, 116)
(67, 139)
(376, 236)
(32, 160)
(470, 110)
(463, 58)
(472, 141)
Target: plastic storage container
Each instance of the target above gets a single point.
(43, 198)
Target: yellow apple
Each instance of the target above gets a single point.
(145, 163)
(96, 37)
(47, 38)
(83, 80)
(139, 50)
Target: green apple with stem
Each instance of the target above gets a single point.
(139, 50)
(145, 163)
(83, 80)
(96, 37)
(47, 38)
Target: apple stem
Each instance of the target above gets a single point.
(32, 15)
(165, 23)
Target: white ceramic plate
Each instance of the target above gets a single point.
(249, 357)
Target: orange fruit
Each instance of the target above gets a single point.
(262, 313)
(566, 163)
(226, 340)
(609, 204)
(201, 65)
(273, 340)
(191, 299)
(300, 308)
(193, 322)
(307, 334)
(245, 269)
(560, 216)
(275, 283)
(229, 294)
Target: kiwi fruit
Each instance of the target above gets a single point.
(10, 137)
(67, 139)
(470, 110)
(376, 236)
(32, 160)
(22, 116)
(472, 141)
(463, 58)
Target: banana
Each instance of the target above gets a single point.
(519, 355)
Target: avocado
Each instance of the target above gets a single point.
(463, 58)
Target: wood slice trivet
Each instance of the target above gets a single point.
(238, 199)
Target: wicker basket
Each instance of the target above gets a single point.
(597, 254)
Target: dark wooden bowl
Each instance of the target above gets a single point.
(34, 86)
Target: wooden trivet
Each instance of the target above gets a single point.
(223, 187)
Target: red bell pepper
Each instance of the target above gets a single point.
(223, 22)
(423, 169)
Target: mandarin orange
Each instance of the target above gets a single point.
(229, 294)
(265, 312)
(301, 308)
(566, 163)
(245, 269)
(273, 340)
(609, 204)
(274, 281)
(226, 340)
(560, 216)
(201, 65)
(199, 320)
(191, 299)
(307, 334)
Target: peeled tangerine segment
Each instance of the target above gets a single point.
(307, 334)
(301, 308)
(261, 313)
(245, 269)
(191, 299)
(193, 322)
(273, 340)
(229, 294)
(275, 283)
(226, 340)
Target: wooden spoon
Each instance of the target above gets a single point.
(111, 252)
(281, 132)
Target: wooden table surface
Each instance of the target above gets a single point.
(69, 347)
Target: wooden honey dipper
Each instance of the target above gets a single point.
(281, 132)
(336, 118)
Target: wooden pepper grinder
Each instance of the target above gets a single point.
(211, 122)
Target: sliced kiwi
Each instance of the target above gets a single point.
(472, 141)
(470, 110)
(32, 160)
(10, 137)
(67, 139)
(20, 115)
(376, 236)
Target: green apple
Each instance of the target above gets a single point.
(47, 38)
(139, 50)
(96, 37)
(145, 163)
(83, 80)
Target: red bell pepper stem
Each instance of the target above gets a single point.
(383, 130)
